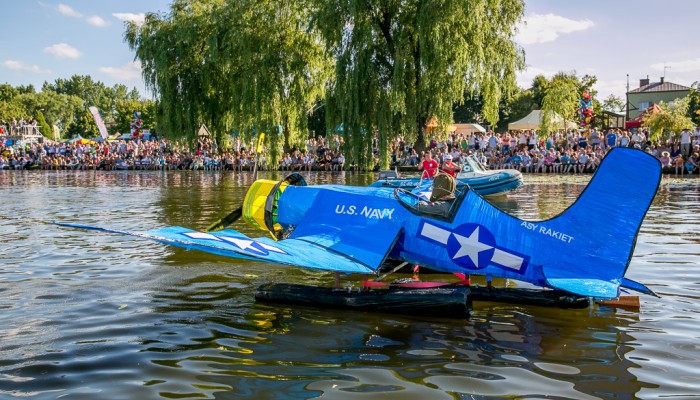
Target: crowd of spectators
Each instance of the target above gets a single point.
(319, 154)
(572, 151)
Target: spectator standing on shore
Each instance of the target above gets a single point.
(624, 140)
(637, 139)
(493, 141)
(610, 139)
(532, 140)
(594, 139)
(685, 142)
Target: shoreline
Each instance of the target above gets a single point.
(410, 172)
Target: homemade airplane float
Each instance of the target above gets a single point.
(581, 254)
(473, 174)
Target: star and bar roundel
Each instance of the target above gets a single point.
(248, 245)
(473, 246)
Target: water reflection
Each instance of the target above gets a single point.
(99, 316)
(501, 352)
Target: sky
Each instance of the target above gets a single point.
(615, 40)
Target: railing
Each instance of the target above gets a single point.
(25, 133)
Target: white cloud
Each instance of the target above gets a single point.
(128, 72)
(20, 66)
(66, 10)
(139, 19)
(97, 21)
(679, 66)
(63, 50)
(542, 28)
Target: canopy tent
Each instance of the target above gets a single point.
(637, 121)
(468, 128)
(434, 125)
(74, 139)
(533, 120)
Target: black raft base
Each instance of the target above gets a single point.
(533, 297)
(452, 301)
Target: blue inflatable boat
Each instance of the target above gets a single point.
(474, 174)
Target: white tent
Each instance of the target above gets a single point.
(532, 121)
(468, 128)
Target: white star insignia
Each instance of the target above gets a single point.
(470, 246)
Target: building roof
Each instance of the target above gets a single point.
(660, 87)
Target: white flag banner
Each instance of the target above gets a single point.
(98, 120)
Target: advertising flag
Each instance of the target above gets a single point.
(98, 120)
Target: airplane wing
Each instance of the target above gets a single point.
(302, 252)
(367, 244)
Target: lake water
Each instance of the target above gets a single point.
(94, 316)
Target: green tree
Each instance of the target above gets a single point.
(26, 89)
(58, 109)
(560, 102)
(398, 63)
(12, 109)
(469, 110)
(125, 114)
(249, 66)
(671, 118)
(613, 104)
(694, 103)
(92, 93)
(7, 92)
(43, 126)
(517, 106)
(317, 120)
(539, 89)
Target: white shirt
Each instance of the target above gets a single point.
(685, 137)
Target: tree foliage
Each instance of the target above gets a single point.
(255, 65)
(694, 103)
(125, 109)
(561, 100)
(91, 93)
(672, 117)
(613, 104)
(249, 66)
(44, 128)
(398, 63)
(7, 92)
(12, 109)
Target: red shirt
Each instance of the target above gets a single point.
(430, 168)
(451, 168)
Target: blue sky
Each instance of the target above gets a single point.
(46, 40)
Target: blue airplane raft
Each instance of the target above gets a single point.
(578, 255)
(473, 174)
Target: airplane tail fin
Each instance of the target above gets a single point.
(598, 232)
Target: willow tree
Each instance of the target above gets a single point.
(249, 66)
(277, 67)
(401, 62)
(172, 48)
